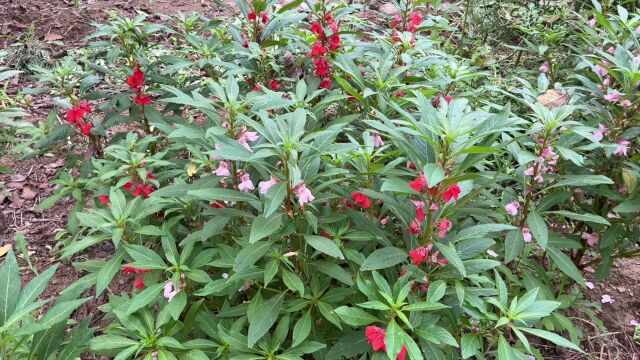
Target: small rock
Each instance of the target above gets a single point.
(29, 192)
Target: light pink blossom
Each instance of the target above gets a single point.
(636, 60)
(613, 96)
(216, 157)
(377, 140)
(245, 183)
(384, 220)
(626, 103)
(169, 291)
(601, 132)
(266, 185)
(526, 234)
(634, 323)
(600, 70)
(304, 195)
(589, 285)
(223, 169)
(592, 239)
(607, 299)
(611, 50)
(623, 148)
(592, 22)
(638, 30)
(544, 68)
(245, 136)
(492, 253)
(512, 208)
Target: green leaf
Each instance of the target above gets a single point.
(565, 264)
(434, 174)
(449, 252)
(275, 195)
(302, 329)
(144, 298)
(383, 258)
(9, 286)
(554, 338)
(629, 206)
(583, 180)
(324, 245)
(109, 342)
(514, 243)
(35, 287)
(505, 352)
(480, 231)
(469, 344)
(293, 281)
(145, 258)
(250, 255)
(60, 312)
(582, 217)
(538, 228)
(355, 317)
(108, 271)
(333, 270)
(394, 339)
(263, 227)
(217, 194)
(264, 319)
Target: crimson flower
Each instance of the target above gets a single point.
(274, 85)
(245, 44)
(334, 42)
(361, 199)
(452, 192)
(322, 67)
(104, 200)
(128, 186)
(86, 128)
(443, 227)
(448, 99)
(136, 81)
(419, 183)
(74, 115)
(419, 255)
(375, 336)
(218, 205)
(264, 17)
(325, 234)
(143, 190)
(139, 283)
(316, 28)
(252, 16)
(326, 83)
(84, 106)
(142, 99)
(317, 49)
(134, 270)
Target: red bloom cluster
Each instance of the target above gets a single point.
(104, 200)
(375, 336)
(420, 184)
(422, 255)
(139, 282)
(136, 83)
(140, 189)
(322, 47)
(448, 99)
(76, 114)
(264, 17)
(361, 200)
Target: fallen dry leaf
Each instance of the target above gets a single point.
(16, 201)
(29, 192)
(53, 37)
(4, 249)
(553, 98)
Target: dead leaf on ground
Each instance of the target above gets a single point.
(53, 37)
(16, 201)
(29, 192)
(56, 164)
(553, 98)
(4, 249)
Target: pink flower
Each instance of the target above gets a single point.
(377, 140)
(638, 30)
(636, 60)
(634, 323)
(589, 285)
(526, 234)
(601, 132)
(304, 195)
(592, 22)
(245, 183)
(622, 149)
(384, 220)
(592, 239)
(607, 299)
(626, 103)
(443, 227)
(600, 70)
(452, 192)
(245, 136)
(512, 208)
(611, 50)
(538, 178)
(613, 96)
(223, 169)
(375, 337)
(544, 68)
(266, 185)
(169, 291)
(492, 253)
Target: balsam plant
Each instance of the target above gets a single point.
(294, 185)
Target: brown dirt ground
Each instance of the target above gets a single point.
(63, 21)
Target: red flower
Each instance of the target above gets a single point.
(86, 128)
(329, 18)
(74, 115)
(142, 99)
(416, 18)
(326, 83)
(448, 99)
(84, 106)
(317, 49)
(375, 336)
(361, 199)
(419, 184)
(443, 227)
(400, 93)
(274, 85)
(150, 176)
(139, 284)
(144, 190)
(420, 214)
(245, 44)
(325, 234)
(252, 16)
(334, 42)
(411, 165)
(136, 81)
(257, 87)
(346, 203)
(218, 205)
(133, 270)
(322, 67)
(419, 255)
(414, 228)
(264, 17)
(104, 200)
(317, 29)
(452, 192)
(128, 185)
